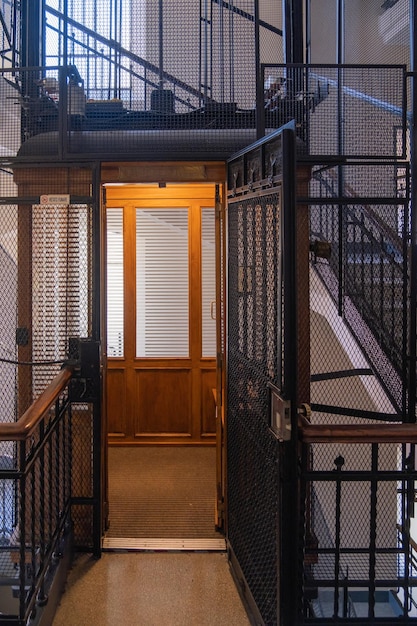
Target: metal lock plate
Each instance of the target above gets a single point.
(279, 415)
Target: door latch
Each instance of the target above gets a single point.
(279, 415)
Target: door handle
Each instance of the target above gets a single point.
(213, 310)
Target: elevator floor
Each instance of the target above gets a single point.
(160, 494)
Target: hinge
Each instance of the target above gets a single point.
(220, 514)
(218, 199)
(104, 196)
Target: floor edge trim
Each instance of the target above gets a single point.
(154, 544)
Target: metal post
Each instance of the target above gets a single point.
(65, 33)
(259, 78)
(411, 417)
(340, 51)
(294, 54)
(340, 32)
(161, 45)
(221, 53)
(289, 574)
(373, 532)
(22, 528)
(231, 39)
(339, 462)
(31, 44)
(293, 31)
(98, 434)
(308, 31)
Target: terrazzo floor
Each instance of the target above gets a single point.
(151, 589)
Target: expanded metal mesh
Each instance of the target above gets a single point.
(45, 300)
(371, 32)
(45, 293)
(142, 75)
(153, 68)
(82, 489)
(129, 71)
(128, 81)
(349, 111)
(9, 33)
(362, 108)
(253, 357)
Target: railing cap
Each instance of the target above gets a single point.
(25, 425)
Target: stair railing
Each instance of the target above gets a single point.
(35, 491)
(369, 274)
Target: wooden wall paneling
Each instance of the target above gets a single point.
(166, 400)
(179, 171)
(163, 401)
(208, 406)
(116, 402)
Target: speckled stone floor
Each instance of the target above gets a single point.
(151, 589)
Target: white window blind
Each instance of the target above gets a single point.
(208, 279)
(115, 276)
(162, 299)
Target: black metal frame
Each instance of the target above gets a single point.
(255, 176)
(306, 86)
(291, 541)
(324, 557)
(413, 203)
(85, 388)
(334, 212)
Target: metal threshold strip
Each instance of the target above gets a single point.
(164, 545)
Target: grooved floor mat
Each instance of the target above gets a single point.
(165, 492)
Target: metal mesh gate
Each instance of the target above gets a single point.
(46, 300)
(257, 356)
(252, 363)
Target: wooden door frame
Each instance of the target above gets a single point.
(163, 172)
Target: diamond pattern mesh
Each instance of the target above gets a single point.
(358, 517)
(253, 355)
(45, 298)
(358, 292)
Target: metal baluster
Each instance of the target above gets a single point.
(372, 531)
(339, 462)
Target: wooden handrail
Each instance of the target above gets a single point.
(357, 433)
(25, 425)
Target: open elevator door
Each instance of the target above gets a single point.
(267, 370)
(199, 175)
(219, 396)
